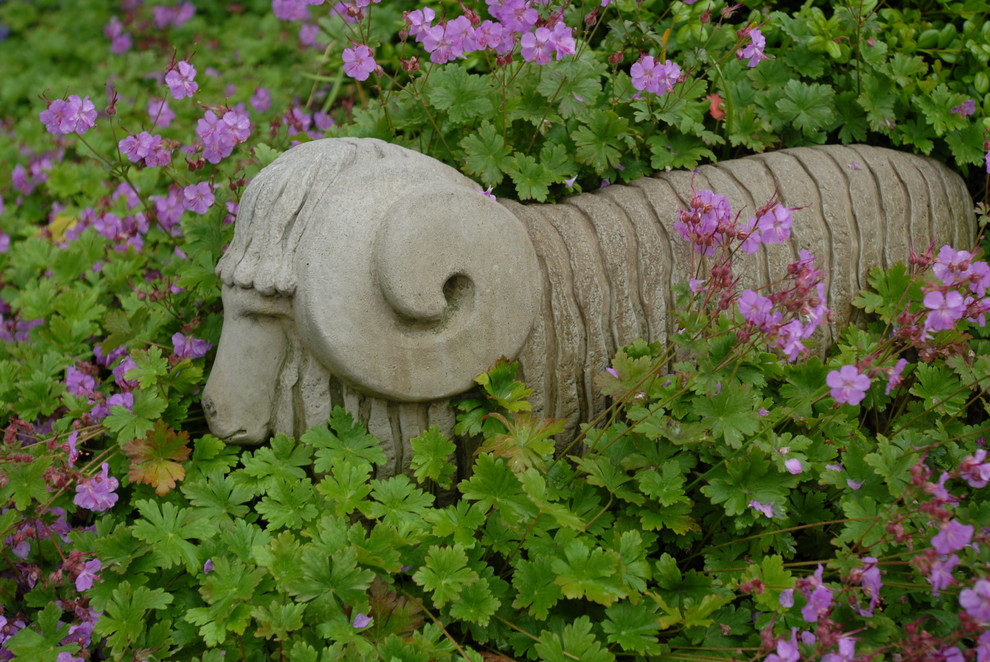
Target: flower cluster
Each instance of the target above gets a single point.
(72, 115)
(96, 493)
(517, 23)
(146, 148)
(654, 77)
(181, 80)
(791, 314)
(219, 135)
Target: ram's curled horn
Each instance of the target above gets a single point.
(412, 282)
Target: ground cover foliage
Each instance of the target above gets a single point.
(743, 499)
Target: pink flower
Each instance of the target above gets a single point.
(940, 575)
(74, 115)
(818, 604)
(775, 225)
(976, 601)
(96, 493)
(649, 76)
(975, 470)
(198, 197)
(894, 376)
(765, 508)
(181, 80)
(966, 108)
(787, 650)
(187, 347)
(951, 265)
(362, 621)
(794, 466)
(753, 51)
(160, 113)
(359, 62)
(261, 100)
(952, 537)
(290, 10)
(754, 308)
(420, 20)
(537, 46)
(848, 385)
(944, 310)
(78, 382)
(86, 576)
(847, 651)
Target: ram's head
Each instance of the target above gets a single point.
(363, 262)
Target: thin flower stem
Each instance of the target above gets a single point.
(436, 622)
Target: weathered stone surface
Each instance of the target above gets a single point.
(369, 276)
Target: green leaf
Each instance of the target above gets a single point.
(397, 501)
(25, 482)
(937, 108)
(575, 642)
(809, 107)
(732, 413)
(589, 573)
(229, 592)
(459, 522)
(775, 580)
(532, 178)
(288, 505)
(136, 424)
(432, 451)
(125, 617)
(533, 580)
(486, 154)
(265, 154)
(464, 96)
(277, 619)
(346, 486)
(633, 628)
(445, 573)
(476, 603)
(893, 287)
(28, 644)
(574, 84)
(283, 461)
(535, 486)
(499, 384)
(150, 366)
(940, 388)
(602, 139)
(677, 151)
(168, 529)
(343, 438)
(893, 463)
(527, 443)
(217, 497)
(323, 575)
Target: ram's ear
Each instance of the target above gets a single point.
(421, 297)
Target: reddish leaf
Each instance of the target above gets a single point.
(715, 107)
(155, 460)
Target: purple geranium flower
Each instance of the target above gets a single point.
(187, 347)
(198, 197)
(976, 601)
(181, 80)
(359, 62)
(96, 493)
(89, 573)
(952, 537)
(848, 385)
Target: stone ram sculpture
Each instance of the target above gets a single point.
(366, 275)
